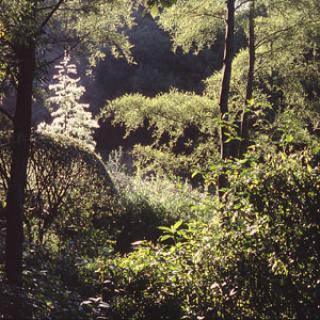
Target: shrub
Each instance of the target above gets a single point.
(258, 260)
(146, 202)
(68, 189)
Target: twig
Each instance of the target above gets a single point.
(46, 20)
(7, 114)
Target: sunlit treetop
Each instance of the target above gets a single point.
(71, 118)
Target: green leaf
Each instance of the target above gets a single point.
(195, 173)
(154, 11)
(289, 138)
(165, 237)
(177, 225)
(166, 229)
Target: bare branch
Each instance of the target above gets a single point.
(241, 4)
(7, 114)
(68, 50)
(49, 16)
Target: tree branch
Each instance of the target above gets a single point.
(241, 4)
(68, 50)
(7, 114)
(46, 20)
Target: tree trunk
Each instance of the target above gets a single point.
(20, 154)
(225, 89)
(245, 125)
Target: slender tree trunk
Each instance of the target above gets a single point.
(20, 154)
(245, 121)
(225, 89)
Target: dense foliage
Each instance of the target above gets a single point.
(149, 232)
(257, 259)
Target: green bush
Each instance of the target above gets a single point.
(148, 202)
(44, 296)
(257, 259)
(68, 189)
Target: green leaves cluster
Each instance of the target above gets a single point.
(169, 117)
(94, 26)
(258, 261)
(67, 187)
(168, 113)
(207, 22)
(286, 87)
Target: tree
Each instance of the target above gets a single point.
(259, 98)
(206, 25)
(225, 90)
(33, 29)
(273, 29)
(70, 116)
(20, 153)
(244, 131)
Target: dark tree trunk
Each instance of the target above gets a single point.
(20, 154)
(225, 89)
(245, 121)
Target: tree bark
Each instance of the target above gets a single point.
(225, 89)
(20, 154)
(245, 121)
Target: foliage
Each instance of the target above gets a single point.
(156, 68)
(182, 125)
(48, 293)
(285, 92)
(207, 17)
(101, 23)
(70, 117)
(252, 254)
(163, 112)
(94, 27)
(147, 202)
(86, 228)
(259, 260)
(67, 188)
